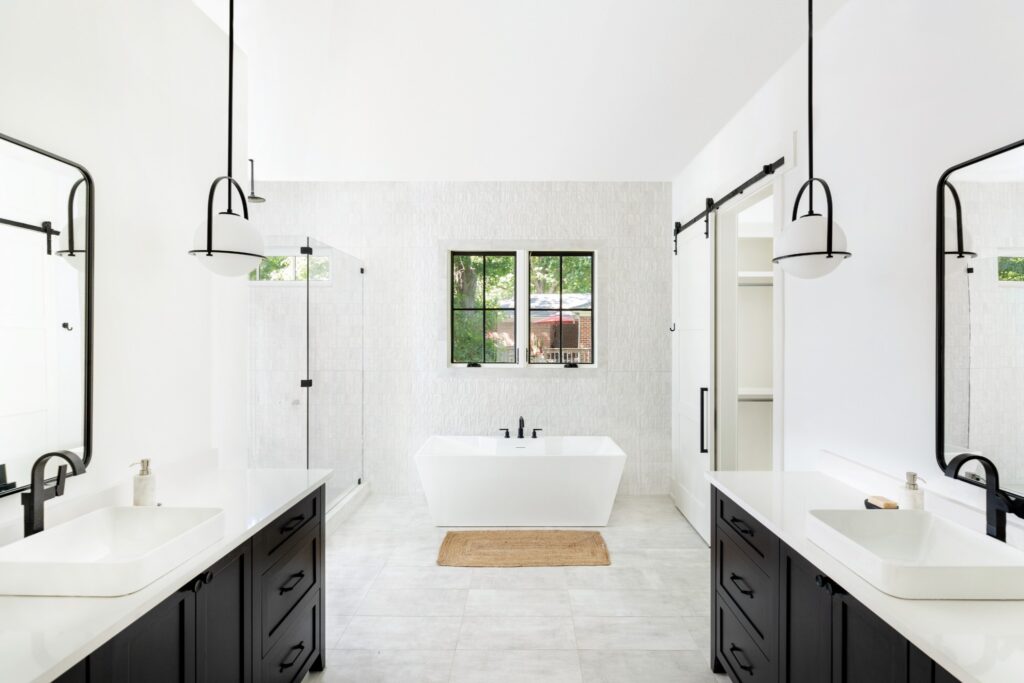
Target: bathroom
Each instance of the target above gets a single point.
(495, 374)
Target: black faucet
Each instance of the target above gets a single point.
(997, 503)
(522, 426)
(39, 493)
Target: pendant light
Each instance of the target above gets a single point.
(962, 241)
(70, 251)
(253, 197)
(238, 249)
(813, 245)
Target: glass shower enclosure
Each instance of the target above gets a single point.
(306, 361)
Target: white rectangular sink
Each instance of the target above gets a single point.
(111, 551)
(914, 554)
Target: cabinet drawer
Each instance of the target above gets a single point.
(286, 583)
(754, 593)
(748, 532)
(737, 651)
(290, 658)
(299, 517)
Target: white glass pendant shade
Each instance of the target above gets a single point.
(808, 235)
(231, 233)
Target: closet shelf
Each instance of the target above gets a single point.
(754, 278)
(763, 394)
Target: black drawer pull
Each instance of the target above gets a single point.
(295, 579)
(735, 652)
(293, 524)
(297, 649)
(736, 578)
(826, 584)
(741, 526)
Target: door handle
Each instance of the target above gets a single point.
(291, 582)
(741, 526)
(297, 649)
(293, 524)
(703, 444)
(736, 578)
(735, 652)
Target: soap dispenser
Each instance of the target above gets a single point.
(911, 495)
(143, 485)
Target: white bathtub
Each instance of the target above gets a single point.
(551, 481)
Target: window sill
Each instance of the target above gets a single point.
(522, 371)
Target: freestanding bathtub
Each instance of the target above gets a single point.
(550, 481)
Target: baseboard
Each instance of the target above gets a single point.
(344, 508)
(693, 510)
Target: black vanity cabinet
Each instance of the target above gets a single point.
(777, 618)
(255, 615)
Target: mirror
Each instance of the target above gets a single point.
(981, 316)
(46, 230)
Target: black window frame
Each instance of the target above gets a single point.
(484, 308)
(561, 254)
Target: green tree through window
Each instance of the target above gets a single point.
(1011, 268)
(483, 307)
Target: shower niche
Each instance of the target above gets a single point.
(306, 361)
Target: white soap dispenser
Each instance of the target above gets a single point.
(143, 485)
(911, 495)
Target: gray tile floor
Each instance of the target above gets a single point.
(393, 615)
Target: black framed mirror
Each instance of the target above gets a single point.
(47, 238)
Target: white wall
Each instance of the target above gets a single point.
(136, 91)
(401, 231)
(903, 90)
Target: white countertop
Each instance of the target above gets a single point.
(42, 637)
(976, 641)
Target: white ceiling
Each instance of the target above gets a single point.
(501, 89)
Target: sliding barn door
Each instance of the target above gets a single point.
(693, 442)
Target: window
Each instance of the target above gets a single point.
(292, 269)
(483, 321)
(562, 307)
(1011, 268)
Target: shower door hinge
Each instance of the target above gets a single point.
(308, 251)
(362, 270)
(305, 383)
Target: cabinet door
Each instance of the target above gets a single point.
(224, 620)
(161, 646)
(805, 619)
(864, 648)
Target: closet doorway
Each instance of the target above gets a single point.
(747, 319)
(727, 347)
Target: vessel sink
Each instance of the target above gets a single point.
(111, 551)
(914, 554)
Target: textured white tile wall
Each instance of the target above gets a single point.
(984, 327)
(399, 231)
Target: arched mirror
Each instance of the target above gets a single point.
(46, 274)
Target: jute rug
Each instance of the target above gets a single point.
(515, 548)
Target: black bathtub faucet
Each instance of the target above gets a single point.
(522, 426)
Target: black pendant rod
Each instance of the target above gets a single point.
(231, 86)
(810, 105)
(766, 170)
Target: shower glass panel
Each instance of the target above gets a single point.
(336, 367)
(306, 361)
